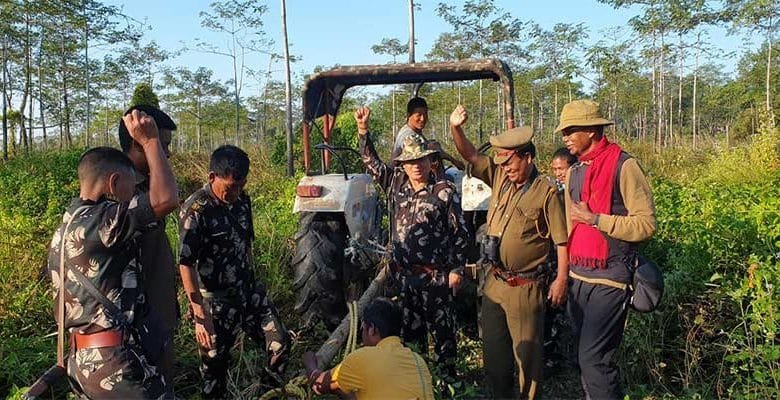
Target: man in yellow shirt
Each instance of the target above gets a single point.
(382, 369)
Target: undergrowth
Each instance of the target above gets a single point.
(718, 243)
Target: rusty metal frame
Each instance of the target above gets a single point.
(323, 92)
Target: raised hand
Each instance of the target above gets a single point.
(362, 115)
(141, 127)
(459, 116)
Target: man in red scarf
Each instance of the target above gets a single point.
(609, 209)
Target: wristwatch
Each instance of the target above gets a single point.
(596, 221)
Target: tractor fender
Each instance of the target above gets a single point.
(355, 197)
(474, 193)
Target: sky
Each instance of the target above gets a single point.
(342, 31)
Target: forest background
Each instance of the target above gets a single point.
(702, 120)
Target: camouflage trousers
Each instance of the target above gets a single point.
(120, 372)
(256, 315)
(429, 307)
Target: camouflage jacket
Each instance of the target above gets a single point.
(428, 227)
(102, 244)
(216, 239)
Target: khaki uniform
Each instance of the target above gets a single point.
(525, 219)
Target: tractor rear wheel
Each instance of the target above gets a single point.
(318, 266)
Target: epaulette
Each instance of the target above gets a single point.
(551, 181)
(196, 202)
(444, 184)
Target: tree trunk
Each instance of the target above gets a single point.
(481, 111)
(238, 99)
(411, 31)
(27, 138)
(679, 91)
(86, 76)
(198, 125)
(65, 116)
(694, 123)
(108, 124)
(768, 71)
(288, 94)
(395, 126)
(5, 107)
(555, 104)
(40, 94)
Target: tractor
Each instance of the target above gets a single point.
(340, 232)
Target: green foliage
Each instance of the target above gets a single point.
(143, 95)
(718, 243)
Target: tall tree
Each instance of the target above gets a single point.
(195, 91)
(393, 48)
(241, 21)
(490, 32)
(757, 16)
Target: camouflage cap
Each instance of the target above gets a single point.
(581, 113)
(512, 139)
(414, 148)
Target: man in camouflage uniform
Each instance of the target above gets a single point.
(428, 240)
(156, 258)
(525, 212)
(215, 262)
(113, 350)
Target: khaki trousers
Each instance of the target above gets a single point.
(513, 335)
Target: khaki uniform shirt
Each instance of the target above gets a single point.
(525, 218)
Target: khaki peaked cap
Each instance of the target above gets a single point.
(581, 113)
(513, 139)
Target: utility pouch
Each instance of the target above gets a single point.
(489, 251)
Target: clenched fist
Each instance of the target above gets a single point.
(361, 117)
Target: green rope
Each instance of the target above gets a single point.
(297, 387)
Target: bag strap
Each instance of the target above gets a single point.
(87, 284)
(61, 296)
(415, 356)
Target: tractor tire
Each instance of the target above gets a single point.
(318, 265)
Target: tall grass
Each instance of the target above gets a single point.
(718, 242)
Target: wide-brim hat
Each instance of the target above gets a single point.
(513, 139)
(414, 148)
(581, 113)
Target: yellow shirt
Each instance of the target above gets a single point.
(385, 371)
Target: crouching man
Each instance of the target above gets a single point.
(383, 369)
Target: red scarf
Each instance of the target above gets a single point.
(587, 246)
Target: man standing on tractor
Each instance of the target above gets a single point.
(525, 212)
(416, 119)
(428, 241)
(216, 267)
